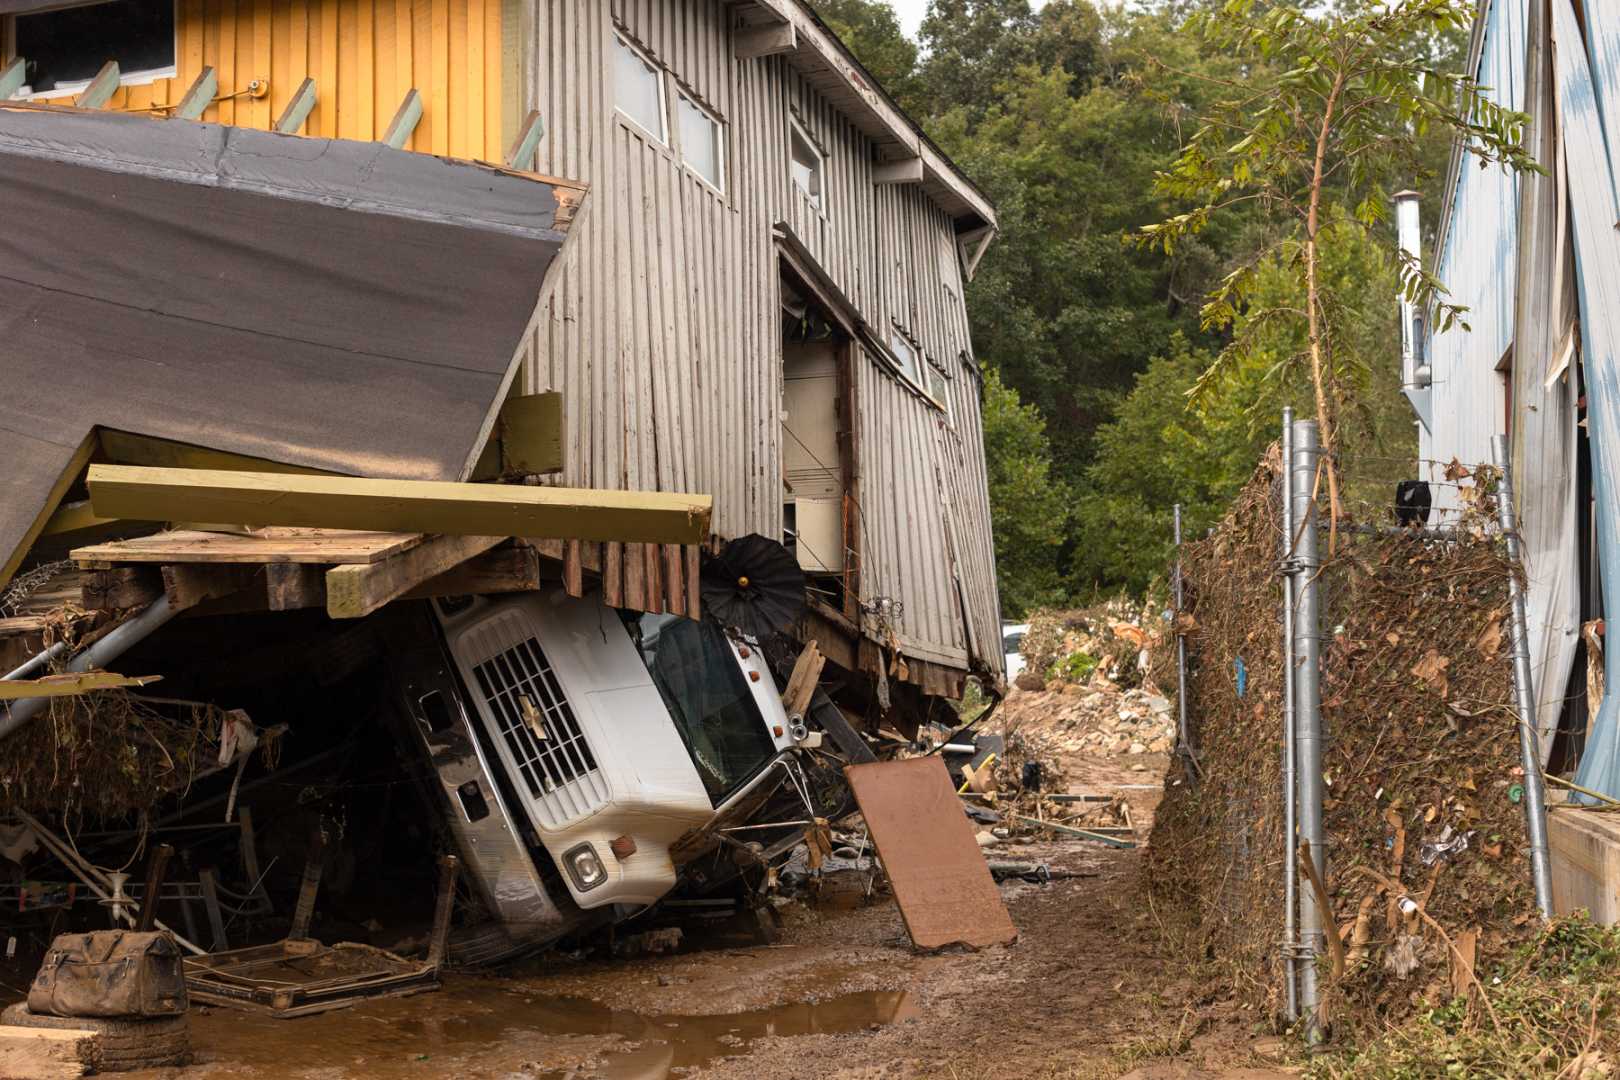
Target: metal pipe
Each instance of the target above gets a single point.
(1535, 788)
(1183, 735)
(1304, 462)
(101, 653)
(37, 662)
(1290, 795)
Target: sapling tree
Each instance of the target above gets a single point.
(1335, 104)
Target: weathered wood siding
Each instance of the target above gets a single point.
(666, 333)
(364, 56)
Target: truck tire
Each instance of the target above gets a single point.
(125, 1044)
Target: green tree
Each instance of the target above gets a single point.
(1029, 505)
(1339, 101)
(872, 31)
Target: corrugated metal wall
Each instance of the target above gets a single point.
(1477, 264)
(364, 56)
(671, 314)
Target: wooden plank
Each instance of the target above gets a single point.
(127, 448)
(101, 88)
(801, 684)
(401, 127)
(322, 547)
(356, 591)
(126, 587)
(23, 624)
(189, 584)
(73, 517)
(298, 108)
(397, 505)
(506, 569)
(766, 41)
(521, 155)
(199, 96)
(12, 76)
(70, 684)
(530, 429)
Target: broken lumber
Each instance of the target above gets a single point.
(70, 684)
(801, 684)
(48, 1053)
(1070, 830)
(125, 587)
(356, 591)
(454, 509)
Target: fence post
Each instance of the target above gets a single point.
(1183, 736)
(1535, 788)
(1290, 942)
(1305, 460)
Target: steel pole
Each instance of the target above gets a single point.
(1182, 734)
(1290, 946)
(1304, 462)
(1535, 788)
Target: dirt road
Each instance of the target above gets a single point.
(1083, 994)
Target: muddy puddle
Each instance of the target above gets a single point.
(489, 1029)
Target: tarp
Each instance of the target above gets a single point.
(1588, 144)
(325, 303)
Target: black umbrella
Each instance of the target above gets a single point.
(755, 586)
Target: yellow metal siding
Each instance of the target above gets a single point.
(363, 54)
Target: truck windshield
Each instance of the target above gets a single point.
(709, 698)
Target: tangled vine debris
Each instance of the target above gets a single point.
(1424, 830)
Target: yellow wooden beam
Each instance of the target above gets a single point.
(77, 682)
(72, 518)
(341, 502)
(531, 434)
(356, 591)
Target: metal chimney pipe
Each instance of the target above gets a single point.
(1409, 231)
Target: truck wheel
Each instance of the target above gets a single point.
(125, 1044)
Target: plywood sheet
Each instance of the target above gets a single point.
(335, 305)
(319, 547)
(940, 879)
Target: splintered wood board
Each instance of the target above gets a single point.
(937, 868)
(269, 545)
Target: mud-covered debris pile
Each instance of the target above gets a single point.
(1096, 718)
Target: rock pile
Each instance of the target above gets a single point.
(1094, 719)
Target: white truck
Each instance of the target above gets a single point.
(575, 744)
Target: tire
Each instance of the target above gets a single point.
(125, 1044)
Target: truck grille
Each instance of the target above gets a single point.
(555, 763)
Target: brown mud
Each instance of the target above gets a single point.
(1083, 994)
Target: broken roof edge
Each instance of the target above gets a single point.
(365, 177)
(936, 163)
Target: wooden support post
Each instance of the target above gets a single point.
(156, 865)
(290, 586)
(531, 434)
(906, 171)
(298, 108)
(199, 96)
(403, 126)
(356, 591)
(12, 76)
(521, 156)
(101, 88)
(120, 588)
(309, 888)
(423, 506)
(189, 584)
(766, 40)
(216, 920)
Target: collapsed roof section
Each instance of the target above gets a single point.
(334, 305)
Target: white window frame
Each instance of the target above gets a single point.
(658, 74)
(943, 401)
(718, 185)
(797, 131)
(144, 77)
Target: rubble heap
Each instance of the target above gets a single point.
(1095, 718)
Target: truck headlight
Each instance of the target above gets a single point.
(585, 867)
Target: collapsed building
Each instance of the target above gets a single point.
(374, 494)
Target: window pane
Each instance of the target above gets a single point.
(907, 359)
(71, 46)
(807, 168)
(700, 142)
(635, 90)
(707, 697)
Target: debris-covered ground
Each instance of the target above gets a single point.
(839, 994)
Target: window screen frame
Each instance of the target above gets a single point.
(658, 73)
(721, 162)
(798, 133)
(142, 77)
